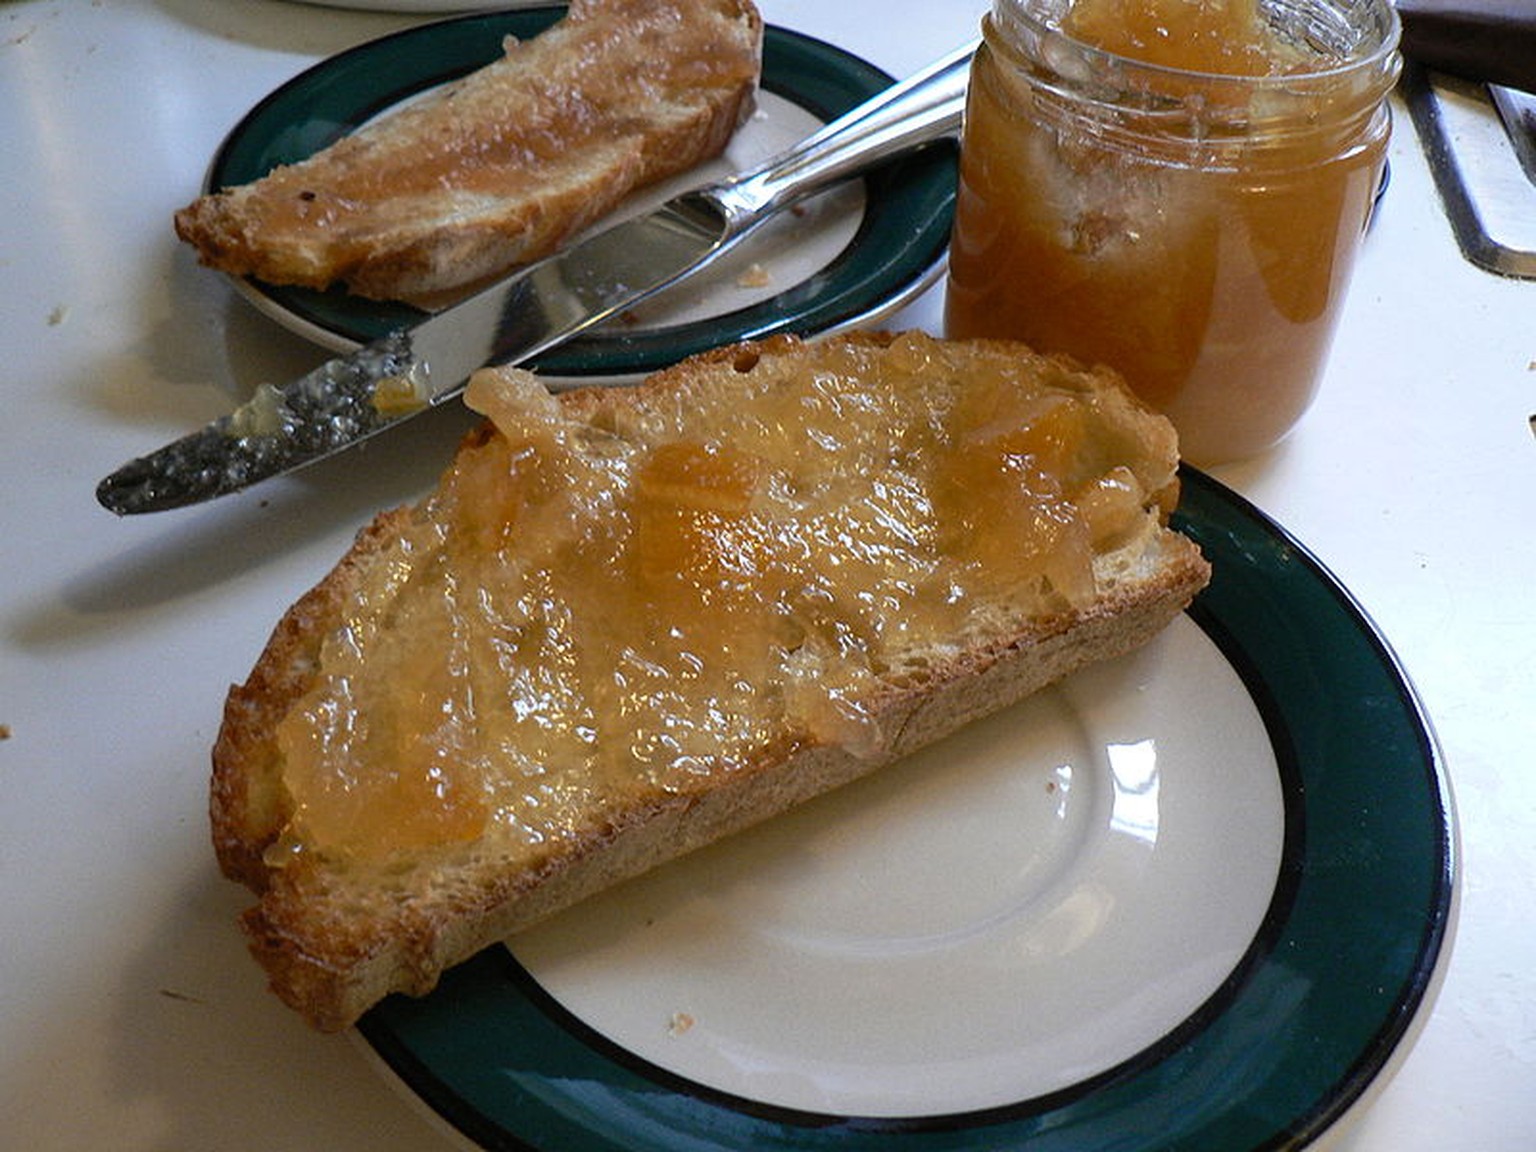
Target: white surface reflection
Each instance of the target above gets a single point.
(1133, 768)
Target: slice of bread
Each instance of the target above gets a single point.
(502, 166)
(631, 621)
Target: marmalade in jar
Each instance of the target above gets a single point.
(1177, 189)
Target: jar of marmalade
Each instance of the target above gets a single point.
(1177, 189)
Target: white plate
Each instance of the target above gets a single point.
(953, 934)
(1194, 898)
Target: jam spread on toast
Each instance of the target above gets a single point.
(624, 601)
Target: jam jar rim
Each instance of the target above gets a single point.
(1007, 19)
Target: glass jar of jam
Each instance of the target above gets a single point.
(1177, 189)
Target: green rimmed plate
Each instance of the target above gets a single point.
(847, 259)
(1194, 899)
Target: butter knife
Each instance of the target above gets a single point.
(1488, 41)
(1517, 112)
(356, 396)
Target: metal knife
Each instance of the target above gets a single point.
(1492, 42)
(353, 397)
(1517, 111)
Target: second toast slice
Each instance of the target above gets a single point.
(502, 166)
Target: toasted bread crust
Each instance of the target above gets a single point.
(246, 804)
(503, 166)
(331, 963)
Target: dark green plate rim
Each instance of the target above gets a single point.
(1329, 989)
(897, 249)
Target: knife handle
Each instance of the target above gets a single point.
(927, 106)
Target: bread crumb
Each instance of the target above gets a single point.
(680, 1023)
(754, 277)
(58, 316)
(5, 731)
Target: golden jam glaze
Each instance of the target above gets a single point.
(601, 609)
(1174, 188)
(1228, 37)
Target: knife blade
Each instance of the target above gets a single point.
(1491, 42)
(354, 397)
(1517, 112)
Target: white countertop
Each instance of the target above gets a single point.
(130, 1015)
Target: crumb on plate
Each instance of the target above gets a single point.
(680, 1023)
(754, 277)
